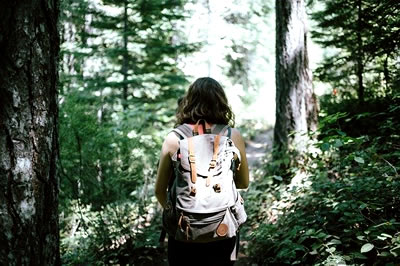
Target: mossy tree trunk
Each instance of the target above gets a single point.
(29, 47)
(296, 105)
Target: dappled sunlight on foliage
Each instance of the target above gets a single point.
(112, 234)
(348, 212)
(123, 63)
(119, 85)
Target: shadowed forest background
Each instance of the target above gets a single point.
(322, 77)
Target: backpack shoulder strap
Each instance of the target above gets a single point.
(219, 128)
(183, 131)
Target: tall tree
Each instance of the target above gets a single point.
(29, 46)
(120, 79)
(120, 74)
(139, 45)
(365, 35)
(296, 106)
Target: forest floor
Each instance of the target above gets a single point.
(258, 147)
(256, 150)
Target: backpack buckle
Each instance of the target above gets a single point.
(217, 188)
(193, 191)
(213, 163)
(192, 158)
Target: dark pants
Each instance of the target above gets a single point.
(216, 253)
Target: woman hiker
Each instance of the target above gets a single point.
(204, 101)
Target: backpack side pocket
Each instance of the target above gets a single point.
(238, 210)
(169, 219)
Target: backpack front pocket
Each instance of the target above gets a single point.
(199, 227)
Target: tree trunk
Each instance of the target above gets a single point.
(360, 54)
(296, 105)
(386, 73)
(29, 46)
(124, 69)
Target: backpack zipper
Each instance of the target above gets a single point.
(204, 221)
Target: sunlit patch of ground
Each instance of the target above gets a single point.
(257, 148)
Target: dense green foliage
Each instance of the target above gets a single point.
(119, 84)
(363, 37)
(344, 209)
(338, 202)
(119, 87)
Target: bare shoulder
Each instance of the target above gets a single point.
(171, 143)
(235, 132)
(237, 137)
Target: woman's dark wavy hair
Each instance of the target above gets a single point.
(206, 100)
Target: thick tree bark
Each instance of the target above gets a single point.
(296, 105)
(29, 46)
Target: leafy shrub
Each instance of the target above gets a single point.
(107, 169)
(344, 206)
(119, 233)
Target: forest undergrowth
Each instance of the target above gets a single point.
(339, 202)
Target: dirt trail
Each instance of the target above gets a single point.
(258, 147)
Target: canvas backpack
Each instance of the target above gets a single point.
(203, 203)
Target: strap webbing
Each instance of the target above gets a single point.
(220, 128)
(192, 160)
(196, 127)
(184, 131)
(213, 162)
(223, 130)
(179, 133)
(216, 147)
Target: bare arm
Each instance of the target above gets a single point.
(165, 168)
(242, 176)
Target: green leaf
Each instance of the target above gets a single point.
(359, 255)
(396, 250)
(363, 206)
(314, 252)
(277, 177)
(325, 146)
(384, 254)
(286, 161)
(359, 160)
(338, 143)
(361, 237)
(331, 250)
(335, 242)
(367, 247)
